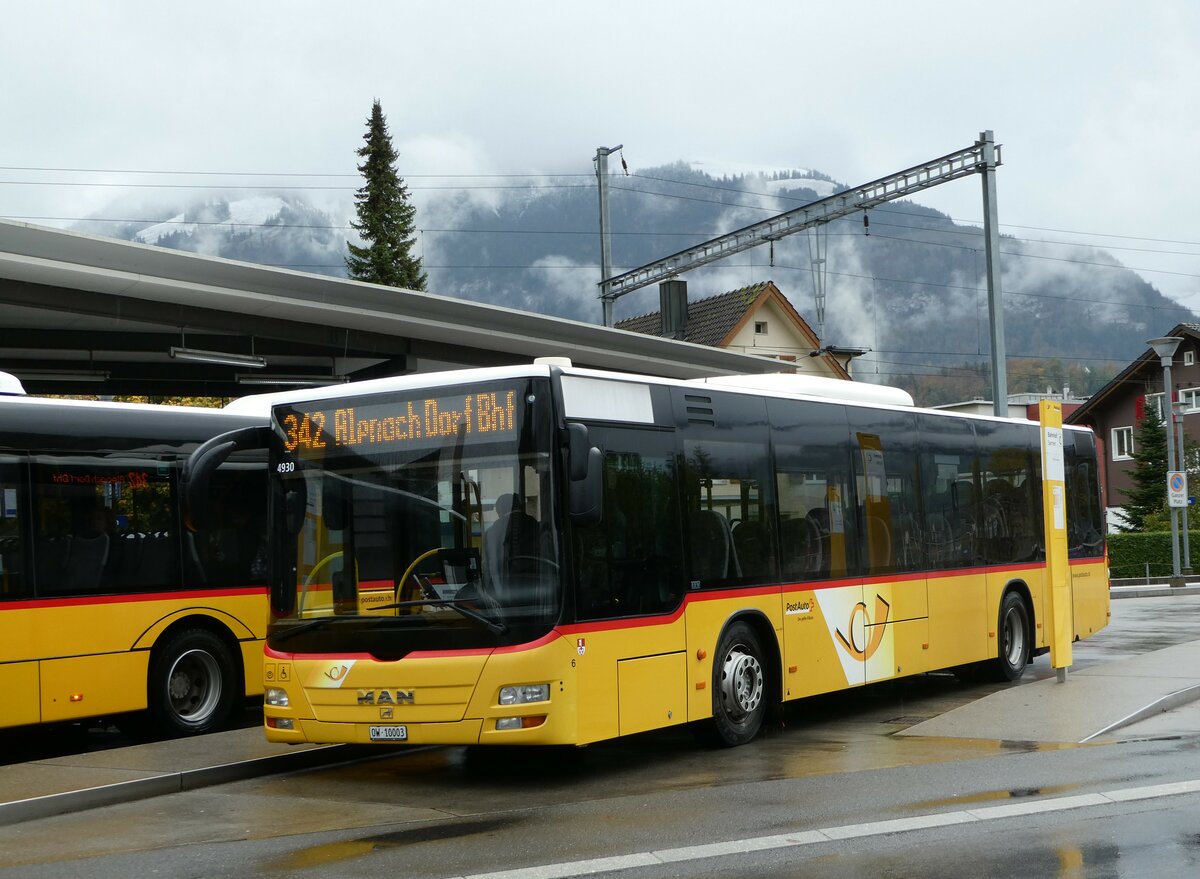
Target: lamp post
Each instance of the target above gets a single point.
(1177, 409)
(1165, 347)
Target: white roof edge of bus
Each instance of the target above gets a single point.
(108, 404)
(771, 383)
(256, 404)
(10, 385)
(813, 386)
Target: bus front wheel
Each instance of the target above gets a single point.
(192, 687)
(739, 686)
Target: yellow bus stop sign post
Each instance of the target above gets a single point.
(1054, 522)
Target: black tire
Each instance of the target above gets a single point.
(739, 687)
(1014, 637)
(194, 684)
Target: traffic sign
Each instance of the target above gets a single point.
(1177, 495)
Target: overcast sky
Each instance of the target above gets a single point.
(1097, 103)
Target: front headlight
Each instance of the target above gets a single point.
(519, 695)
(276, 697)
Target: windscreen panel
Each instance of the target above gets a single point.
(426, 510)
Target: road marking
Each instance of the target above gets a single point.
(660, 857)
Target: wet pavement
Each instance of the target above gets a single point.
(1128, 683)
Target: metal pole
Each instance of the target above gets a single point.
(991, 237)
(602, 154)
(1176, 577)
(1181, 457)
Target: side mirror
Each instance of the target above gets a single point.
(204, 461)
(585, 472)
(577, 451)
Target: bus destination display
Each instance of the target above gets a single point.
(488, 413)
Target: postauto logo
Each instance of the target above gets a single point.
(857, 627)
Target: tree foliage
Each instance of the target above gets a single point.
(1147, 497)
(386, 218)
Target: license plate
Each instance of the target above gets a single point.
(389, 733)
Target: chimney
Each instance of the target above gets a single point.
(673, 308)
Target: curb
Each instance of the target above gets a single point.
(1152, 591)
(175, 782)
(1158, 706)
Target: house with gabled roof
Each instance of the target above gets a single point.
(757, 319)
(1114, 411)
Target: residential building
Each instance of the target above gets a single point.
(757, 319)
(1113, 411)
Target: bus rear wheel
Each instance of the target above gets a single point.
(739, 686)
(193, 683)
(1014, 637)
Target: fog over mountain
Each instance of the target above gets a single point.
(909, 284)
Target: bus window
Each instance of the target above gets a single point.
(949, 496)
(630, 562)
(232, 549)
(1010, 511)
(14, 523)
(729, 513)
(104, 526)
(886, 501)
(812, 480)
(1085, 518)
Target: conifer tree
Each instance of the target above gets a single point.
(385, 216)
(1148, 494)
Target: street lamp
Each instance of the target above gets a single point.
(1181, 446)
(1165, 347)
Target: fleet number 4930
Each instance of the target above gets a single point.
(285, 467)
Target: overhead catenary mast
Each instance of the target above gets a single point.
(982, 157)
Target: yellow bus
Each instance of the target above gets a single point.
(544, 554)
(109, 608)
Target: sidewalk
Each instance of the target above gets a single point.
(1128, 695)
(100, 778)
(1142, 589)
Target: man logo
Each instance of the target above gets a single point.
(386, 697)
(864, 652)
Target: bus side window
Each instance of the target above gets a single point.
(232, 551)
(14, 524)
(813, 483)
(885, 466)
(630, 562)
(730, 513)
(104, 528)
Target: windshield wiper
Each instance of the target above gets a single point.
(496, 628)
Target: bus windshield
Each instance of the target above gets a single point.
(425, 518)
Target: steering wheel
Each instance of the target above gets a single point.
(329, 559)
(411, 571)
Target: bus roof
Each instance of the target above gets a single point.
(100, 426)
(780, 384)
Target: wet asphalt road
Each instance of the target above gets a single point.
(455, 811)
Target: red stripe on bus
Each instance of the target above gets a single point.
(573, 629)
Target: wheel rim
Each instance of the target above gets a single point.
(741, 684)
(194, 686)
(1014, 637)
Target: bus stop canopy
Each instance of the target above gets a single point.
(88, 315)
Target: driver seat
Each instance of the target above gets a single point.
(513, 542)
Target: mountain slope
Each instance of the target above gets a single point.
(910, 286)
